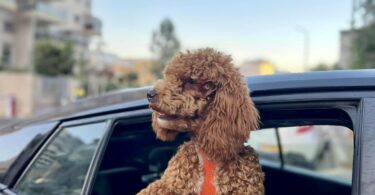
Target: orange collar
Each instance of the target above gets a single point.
(208, 187)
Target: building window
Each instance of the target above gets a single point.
(6, 54)
(77, 19)
(8, 26)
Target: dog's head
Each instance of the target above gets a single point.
(204, 94)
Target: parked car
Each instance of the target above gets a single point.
(317, 137)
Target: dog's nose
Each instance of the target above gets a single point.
(151, 94)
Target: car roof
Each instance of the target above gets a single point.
(312, 81)
(131, 99)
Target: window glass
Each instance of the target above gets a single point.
(265, 143)
(325, 149)
(6, 54)
(14, 142)
(77, 19)
(63, 164)
(8, 27)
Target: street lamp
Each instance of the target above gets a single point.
(306, 45)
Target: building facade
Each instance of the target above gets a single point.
(22, 22)
(257, 67)
(346, 58)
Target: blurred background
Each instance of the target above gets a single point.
(55, 52)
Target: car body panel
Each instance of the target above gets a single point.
(365, 152)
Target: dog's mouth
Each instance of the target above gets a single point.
(166, 117)
(172, 122)
(163, 115)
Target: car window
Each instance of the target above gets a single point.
(14, 142)
(63, 164)
(324, 149)
(265, 143)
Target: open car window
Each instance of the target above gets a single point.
(133, 159)
(321, 150)
(326, 150)
(265, 142)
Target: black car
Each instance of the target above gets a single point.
(317, 136)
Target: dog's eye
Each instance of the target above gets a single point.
(208, 86)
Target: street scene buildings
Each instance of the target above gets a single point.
(26, 21)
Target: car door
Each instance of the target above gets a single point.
(133, 157)
(19, 145)
(62, 165)
(364, 162)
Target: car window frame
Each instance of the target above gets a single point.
(145, 113)
(22, 161)
(351, 108)
(52, 137)
(365, 152)
(311, 173)
(132, 116)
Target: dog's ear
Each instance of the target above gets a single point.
(231, 117)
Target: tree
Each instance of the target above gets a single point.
(326, 67)
(164, 44)
(132, 78)
(321, 67)
(54, 59)
(364, 43)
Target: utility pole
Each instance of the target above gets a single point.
(354, 9)
(306, 47)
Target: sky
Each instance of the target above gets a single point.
(246, 29)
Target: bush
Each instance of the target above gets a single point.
(53, 59)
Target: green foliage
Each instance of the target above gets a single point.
(128, 80)
(364, 48)
(321, 67)
(164, 45)
(111, 86)
(54, 59)
(131, 79)
(364, 42)
(326, 67)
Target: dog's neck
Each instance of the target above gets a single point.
(218, 155)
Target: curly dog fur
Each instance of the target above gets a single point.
(202, 93)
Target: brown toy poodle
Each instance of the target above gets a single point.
(202, 93)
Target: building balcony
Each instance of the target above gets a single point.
(92, 25)
(8, 5)
(43, 12)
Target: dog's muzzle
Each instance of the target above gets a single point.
(151, 94)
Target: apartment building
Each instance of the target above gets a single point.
(22, 22)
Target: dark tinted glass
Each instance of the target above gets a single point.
(133, 159)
